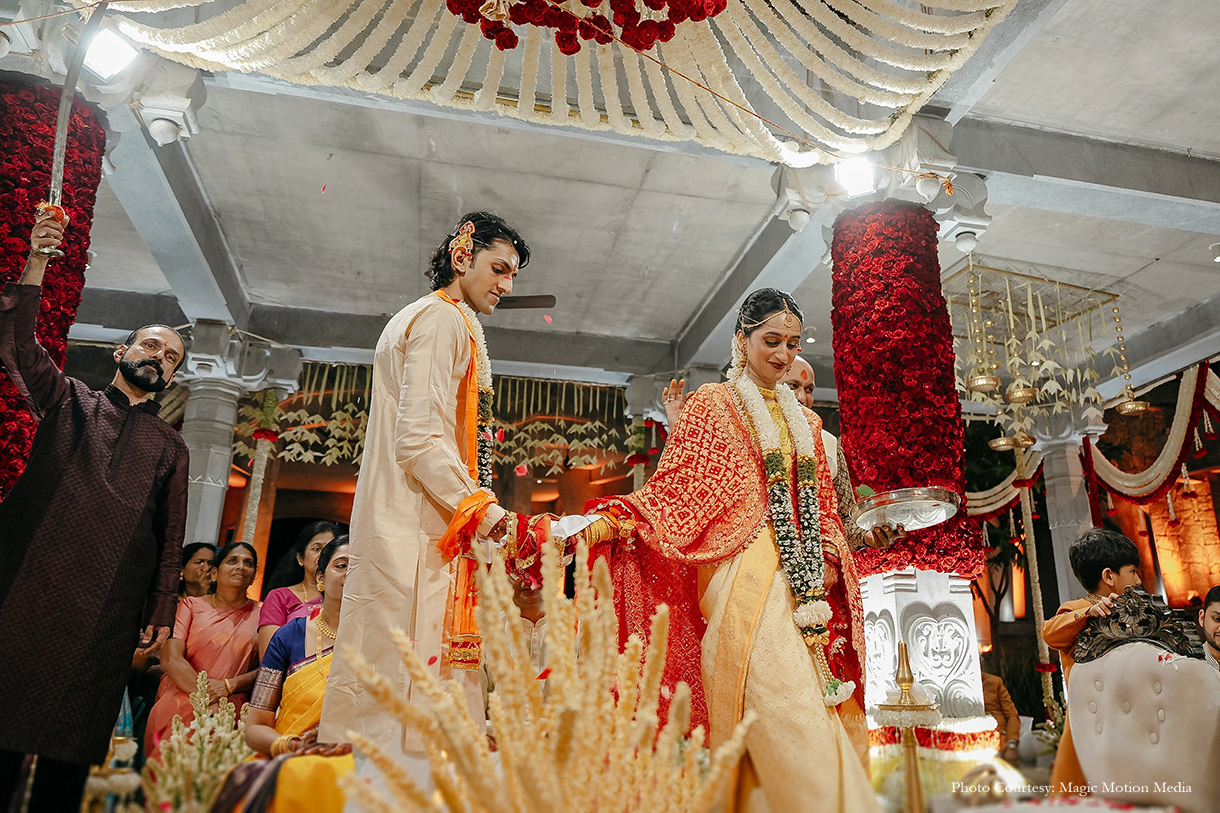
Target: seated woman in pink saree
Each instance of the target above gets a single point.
(217, 634)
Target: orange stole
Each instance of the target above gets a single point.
(465, 643)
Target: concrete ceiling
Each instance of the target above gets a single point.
(329, 202)
(119, 258)
(339, 208)
(1140, 71)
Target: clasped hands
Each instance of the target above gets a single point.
(307, 745)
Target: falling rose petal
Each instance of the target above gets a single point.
(432, 660)
(486, 434)
(499, 435)
(323, 188)
(544, 674)
(521, 470)
(547, 317)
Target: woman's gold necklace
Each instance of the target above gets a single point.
(322, 629)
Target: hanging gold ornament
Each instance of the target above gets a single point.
(1020, 395)
(1131, 406)
(1003, 443)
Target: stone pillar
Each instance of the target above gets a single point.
(934, 613)
(1060, 439)
(221, 366)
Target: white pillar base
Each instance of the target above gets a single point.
(933, 612)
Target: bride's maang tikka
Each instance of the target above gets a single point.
(790, 318)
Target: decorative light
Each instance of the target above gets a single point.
(856, 176)
(1215, 247)
(810, 340)
(798, 219)
(109, 54)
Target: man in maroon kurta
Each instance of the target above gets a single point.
(90, 540)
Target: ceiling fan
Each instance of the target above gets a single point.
(512, 303)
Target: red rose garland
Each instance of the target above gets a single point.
(893, 351)
(640, 24)
(27, 137)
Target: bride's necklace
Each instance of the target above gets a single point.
(800, 548)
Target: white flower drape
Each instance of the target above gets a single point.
(847, 75)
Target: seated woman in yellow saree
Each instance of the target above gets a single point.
(301, 774)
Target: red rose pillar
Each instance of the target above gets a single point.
(893, 352)
(27, 137)
(902, 428)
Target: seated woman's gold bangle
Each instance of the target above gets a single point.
(282, 745)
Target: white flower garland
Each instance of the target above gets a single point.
(800, 547)
(482, 371)
(879, 52)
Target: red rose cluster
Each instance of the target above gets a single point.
(27, 137)
(893, 351)
(626, 16)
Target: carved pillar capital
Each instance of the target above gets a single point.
(812, 194)
(221, 366)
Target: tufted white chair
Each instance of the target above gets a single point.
(1138, 721)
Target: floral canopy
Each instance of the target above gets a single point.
(838, 76)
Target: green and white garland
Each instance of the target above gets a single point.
(482, 368)
(800, 547)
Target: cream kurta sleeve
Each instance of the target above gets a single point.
(437, 342)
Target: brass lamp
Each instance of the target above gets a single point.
(907, 714)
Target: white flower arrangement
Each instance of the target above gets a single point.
(194, 759)
(837, 691)
(908, 718)
(880, 52)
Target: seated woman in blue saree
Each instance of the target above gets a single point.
(293, 771)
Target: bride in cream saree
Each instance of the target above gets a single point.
(738, 532)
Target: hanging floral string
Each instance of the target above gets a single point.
(265, 437)
(887, 60)
(1045, 667)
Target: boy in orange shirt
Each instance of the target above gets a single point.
(1105, 563)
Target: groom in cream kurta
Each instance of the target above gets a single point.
(413, 476)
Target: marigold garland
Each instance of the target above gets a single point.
(27, 136)
(893, 346)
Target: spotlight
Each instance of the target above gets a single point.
(1215, 247)
(798, 219)
(109, 54)
(6, 45)
(856, 176)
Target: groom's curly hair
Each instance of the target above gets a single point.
(488, 228)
